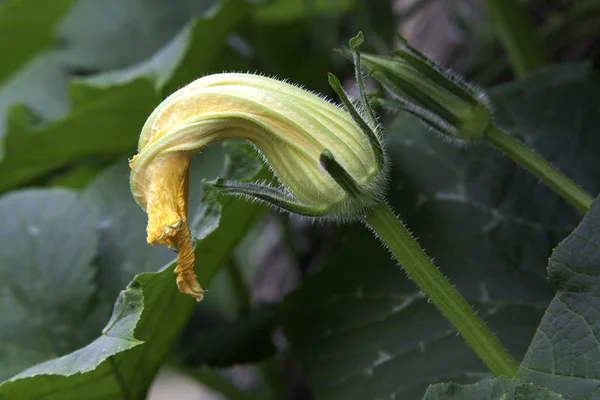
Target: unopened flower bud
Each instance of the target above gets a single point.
(437, 97)
(329, 162)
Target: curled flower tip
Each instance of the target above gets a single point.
(186, 278)
(329, 162)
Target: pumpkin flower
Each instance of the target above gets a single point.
(329, 162)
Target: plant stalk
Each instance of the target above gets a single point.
(517, 35)
(238, 285)
(446, 298)
(541, 168)
(268, 367)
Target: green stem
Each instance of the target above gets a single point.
(287, 239)
(437, 288)
(270, 372)
(363, 19)
(557, 32)
(517, 35)
(541, 168)
(238, 285)
(274, 379)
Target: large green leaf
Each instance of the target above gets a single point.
(554, 112)
(26, 27)
(150, 311)
(216, 26)
(148, 316)
(41, 85)
(502, 388)
(77, 177)
(361, 329)
(113, 34)
(362, 333)
(187, 56)
(103, 120)
(109, 110)
(564, 355)
(30, 73)
(46, 295)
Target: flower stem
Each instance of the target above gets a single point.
(541, 168)
(517, 35)
(271, 375)
(445, 297)
(238, 285)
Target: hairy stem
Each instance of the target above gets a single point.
(541, 168)
(446, 298)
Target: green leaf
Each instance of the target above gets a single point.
(123, 360)
(99, 368)
(30, 73)
(362, 331)
(502, 388)
(46, 295)
(552, 112)
(565, 352)
(103, 120)
(216, 25)
(112, 34)
(109, 110)
(75, 178)
(26, 27)
(188, 55)
(41, 85)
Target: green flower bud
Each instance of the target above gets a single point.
(437, 97)
(329, 162)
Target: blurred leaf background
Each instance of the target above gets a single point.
(295, 310)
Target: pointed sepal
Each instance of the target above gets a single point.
(277, 198)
